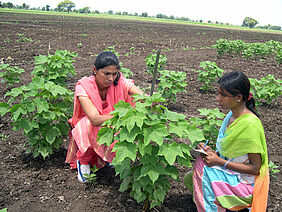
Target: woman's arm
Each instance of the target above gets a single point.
(91, 111)
(134, 90)
(252, 167)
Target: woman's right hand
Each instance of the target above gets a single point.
(201, 146)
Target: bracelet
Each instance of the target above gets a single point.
(225, 165)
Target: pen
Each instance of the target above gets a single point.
(205, 144)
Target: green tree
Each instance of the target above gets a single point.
(66, 5)
(47, 7)
(144, 14)
(249, 22)
(84, 10)
(160, 15)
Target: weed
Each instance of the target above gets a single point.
(22, 38)
(92, 177)
(273, 169)
(4, 137)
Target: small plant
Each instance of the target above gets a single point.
(22, 38)
(79, 45)
(4, 137)
(92, 177)
(151, 61)
(170, 84)
(147, 150)
(209, 74)
(267, 88)
(132, 49)
(45, 104)
(10, 75)
(84, 35)
(8, 40)
(273, 169)
(4, 210)
(126, 72)
(210, 121)
(185, 48)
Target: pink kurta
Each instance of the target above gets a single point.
(83, 135)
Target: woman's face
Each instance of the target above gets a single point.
(105, 76)
(225, 99)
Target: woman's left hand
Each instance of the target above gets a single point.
(212, 159)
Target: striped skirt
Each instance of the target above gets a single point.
(216, 190)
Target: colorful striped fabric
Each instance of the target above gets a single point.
(216, 189)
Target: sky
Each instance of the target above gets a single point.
(226, 11)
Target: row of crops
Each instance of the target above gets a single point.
(152, 139)
(250, 50)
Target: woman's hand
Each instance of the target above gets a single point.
(207, 148)
(213, 159)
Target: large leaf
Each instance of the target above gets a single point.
(194, 134)
(170, 152)
(51, 134)
(129, 136)
(4, 107)
(105, 135)
(155, 133)
(121, 108)
(124, 150)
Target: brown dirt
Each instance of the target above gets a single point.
(29, 184)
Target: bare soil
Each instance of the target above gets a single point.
(29, 184)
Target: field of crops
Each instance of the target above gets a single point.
(29, 184)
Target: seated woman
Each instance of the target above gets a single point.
(94, 99)
(236, 176)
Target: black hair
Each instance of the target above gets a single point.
(105, 59)
(236, 82)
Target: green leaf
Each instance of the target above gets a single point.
(4, 107)
(51, 134)
(152, 171)
(105, 135)
(194, 134)
(132, 118)
(121, 108)
(170, 152)
(139, 196)
(179, 128)
(173, 116)
(43, 151)
(184, 161)
(42, 106)
(144, 149)
(125, 184)
(172, 172)
(16, 111)
(124, 150)
(155, 133)
(129, 137)
(159, 194)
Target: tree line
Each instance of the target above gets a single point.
(69, 6)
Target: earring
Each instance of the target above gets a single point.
(238, 100)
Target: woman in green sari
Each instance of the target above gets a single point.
(235, 176)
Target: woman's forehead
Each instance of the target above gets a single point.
(111, 69)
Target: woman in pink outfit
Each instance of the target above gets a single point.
(94, 99)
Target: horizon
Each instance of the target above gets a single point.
(215, 11)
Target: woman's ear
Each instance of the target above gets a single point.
(94, 71)
(239, 98)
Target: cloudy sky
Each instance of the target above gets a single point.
(227, 11)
